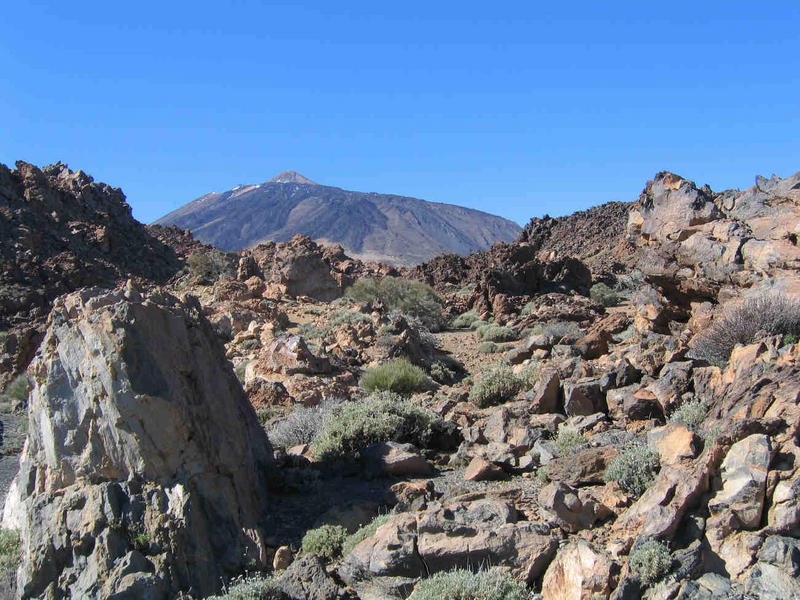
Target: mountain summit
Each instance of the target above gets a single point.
(373, 227)
(291, 177)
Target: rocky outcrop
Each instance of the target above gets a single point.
(144, 469)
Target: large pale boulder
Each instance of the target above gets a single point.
(143, 471)
(580, 572)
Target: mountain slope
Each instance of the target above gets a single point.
(381, 227)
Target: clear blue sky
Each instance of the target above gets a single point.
(516, 108)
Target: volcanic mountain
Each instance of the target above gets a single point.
(375, 227)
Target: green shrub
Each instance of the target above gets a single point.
(496, 333)
(489, 348)
(568, 440)
(465, 320)
(18, 390)
(650, 560)
(303, 425)
(478, 324)
(789, 339)
(744, 322)
(398, 376)
(261, 588)
(367, 531)
(692, 414)
(564, 331)
(496, 384)
(410, 297)
(603, 294)
(462, 584)
(441, 373)
(634, 470)
(382, 417)
(347, 317)
(527, 309)
(9, 550)
(326, 541)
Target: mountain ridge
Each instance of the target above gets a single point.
(371, 226)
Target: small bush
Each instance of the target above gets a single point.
(381, 417)
(568, 440)
(634, 470)
(18, 390)
(462, 584)
(496, 333)
(650, 560)
(326, 541)
(239, 370)
(465, 320)
(441, 373)
(207, 267)
(9, 550)
(603, 294)
(745, 322)
(411, 297)
(302, 426)
(489, 348)
(527, 309)
(347, 317)
(367, 531)
(691, 414)
(398, 376)
(564, 331)
(496, 385)
(262, 588)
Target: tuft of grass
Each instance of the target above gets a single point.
(462, 584)
(326, 541)
(367, 531)
(634, 470)
(745, 322)
(465, 320)
(603, 294)
(398, 376)
(650, 560)
(381, 417)
(410, 297)
(496, 333)
(568, 440)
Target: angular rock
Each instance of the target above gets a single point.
(392, 458)
(289, 354)
(564, 505)
(545, 397)
(140, 438)
(483, 470)
(583, 397)
(306, 579)
(579, 572)
(584, 467)
(674, 443)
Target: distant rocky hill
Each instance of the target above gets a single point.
(373, 227)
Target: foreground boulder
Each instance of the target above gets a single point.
(143, 472)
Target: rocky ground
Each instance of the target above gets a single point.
(636, 439)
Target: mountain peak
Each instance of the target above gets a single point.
(291, 177)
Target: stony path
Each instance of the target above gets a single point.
(462, 345)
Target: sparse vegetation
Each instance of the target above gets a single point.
(564, 331)
(240, 369)
(462, 584)
(465, 320)
(496, 333)
(326, 541)
(256, 588)
(634, 470)
(603, 294)
(381, 417)
(18, 390)
(692, 414)
(527, 309)
(411, 297)
(441, 373)
(745, 322)
(367, 531)
(650, 560)
(568, 440)
(398, 376)
(489, 348)
(9, 550)
(303, 425)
